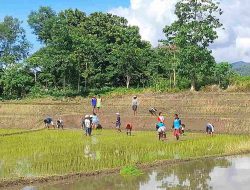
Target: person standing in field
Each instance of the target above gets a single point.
(98, 103)
(161, 128)
(118, 122)
(87, 124)
(95, 121)
(135, 105)
(83, 125)
(160, 118)
(93, 103)
(177, 126)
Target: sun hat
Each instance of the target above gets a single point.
(117, 113)
(86, 116)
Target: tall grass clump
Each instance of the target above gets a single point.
(130, 171)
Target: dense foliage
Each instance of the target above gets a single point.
(101, 51)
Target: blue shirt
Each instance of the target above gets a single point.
(93, 101)
(95, 119)
(177, 124)
(159, 125)
(49, 120)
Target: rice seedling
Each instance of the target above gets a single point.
(56, 152)
(9, 131)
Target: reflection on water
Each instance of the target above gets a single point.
(222, 173)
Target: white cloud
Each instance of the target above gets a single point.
(150, 15)
(233, 43)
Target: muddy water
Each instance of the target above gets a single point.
(221, 173)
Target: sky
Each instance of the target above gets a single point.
(151, 16)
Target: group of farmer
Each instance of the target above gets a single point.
(96, 108)
(90, 122)
(48, 121)
(178, 127)
(96, 103)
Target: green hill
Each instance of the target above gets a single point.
(242, 68)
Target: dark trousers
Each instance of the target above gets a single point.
(89, 131)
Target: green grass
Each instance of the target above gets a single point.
(52, 152)
(9, 131)
(130, 171)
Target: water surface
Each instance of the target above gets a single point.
(221, 173)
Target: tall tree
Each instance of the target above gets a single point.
(92, 50)
(128, 56)
(193, 31)
(41, 22)
(14, 46)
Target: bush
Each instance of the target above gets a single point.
(183, 83)
(240, 84)
(160, 84)
(211, 88)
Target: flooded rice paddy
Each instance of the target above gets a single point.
(220, 173)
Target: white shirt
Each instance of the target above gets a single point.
(87, 123)
(161, 118)
(134, 102)
(210, 125)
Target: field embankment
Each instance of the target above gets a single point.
(229, 112)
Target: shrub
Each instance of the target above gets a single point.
(240, 84)
(211, 88)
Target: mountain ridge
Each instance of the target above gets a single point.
(241, 67)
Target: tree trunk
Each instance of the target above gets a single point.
(64, 82)
(174, 71)
(128, 78)
(170, 81)
(85, 84)
(78, 83)
(35, 77)
(174, 78)
(86, 76)
(192, 85)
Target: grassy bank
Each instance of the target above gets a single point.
(55, 152)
